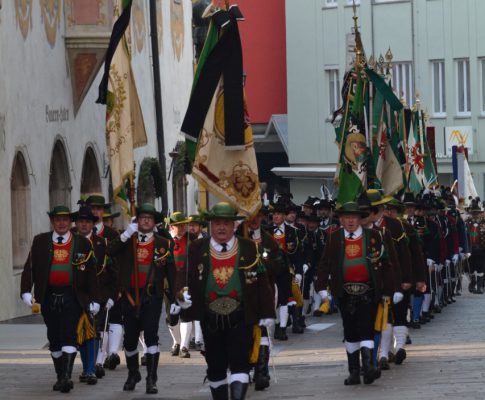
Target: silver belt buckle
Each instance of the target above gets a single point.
(356, 288)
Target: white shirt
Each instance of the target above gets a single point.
(99, 227)
(281, 228)
(256, 234)
(65, 237)
(218, 247)
(148, 236)
(355, 235)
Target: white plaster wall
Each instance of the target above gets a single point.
(35, 75)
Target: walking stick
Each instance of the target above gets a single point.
(272, 356)
(104, 343)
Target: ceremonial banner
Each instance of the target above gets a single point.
(388, 168)
(125, 128)
(354, 153)
(230, 175)
(217, 119)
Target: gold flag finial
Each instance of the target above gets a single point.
(372, 62)
(355, 17)
(380, 64)
(359, 62)
(417, 102)
(389, 55)
(403, 99)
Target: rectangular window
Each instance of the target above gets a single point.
(463, 86)
(333, 90)
(402, 81)
(482, 85)
(438, 82)
(351, 3)
(330, 3)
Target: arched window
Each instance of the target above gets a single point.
(59, 181)
(20, 211)
(90, 179)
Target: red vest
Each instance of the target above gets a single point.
(355, 265)
(61, 270)
(144, 255)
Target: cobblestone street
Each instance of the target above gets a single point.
(446, 360)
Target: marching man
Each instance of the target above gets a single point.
(61, 269)
(228, 292)
(356, 260)
(155, 271)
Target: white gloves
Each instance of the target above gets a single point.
(175, 309)
(110, 303)
(298, 278)
(130, 230)
(323, 294)
(27, 299)
(93, 308)
(439, 267)
(305, 268)
(398, 296)
(186, 302)
(455, 258)
(267, 322)
(430, 262)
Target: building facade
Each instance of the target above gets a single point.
(52, 133)
(438, 54)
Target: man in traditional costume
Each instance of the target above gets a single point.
(61, 268)
(229, 292)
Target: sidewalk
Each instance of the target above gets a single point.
(446, 360)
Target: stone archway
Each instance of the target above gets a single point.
(59, 180)
(20, 211)
(90, 178)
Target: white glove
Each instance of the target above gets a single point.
(460, 249)
(439, 267)
(455, 258)
(323, 294)
(298, 278)
(447, 263)
(93, 308)
(398, 296)
(267, 322)
(468, 255)
(430, 262)
(130, 230)
(27, 299)
(175, 309)
(305, 268)
(291, 303)
(110, 303)
(186, 302)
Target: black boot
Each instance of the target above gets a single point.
(65, 383)
(112, 361)
(261, 370)
(152, 365)
(238, 390)
(354, 369)
(371, 373)
(471, 285)
(220, 393)
(100, 371)
(58, 367)
(479, 285)
(296, 327)
(280, 333)
(133, 373)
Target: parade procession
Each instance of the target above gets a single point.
(276, 199)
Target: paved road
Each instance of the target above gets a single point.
(446, 360)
